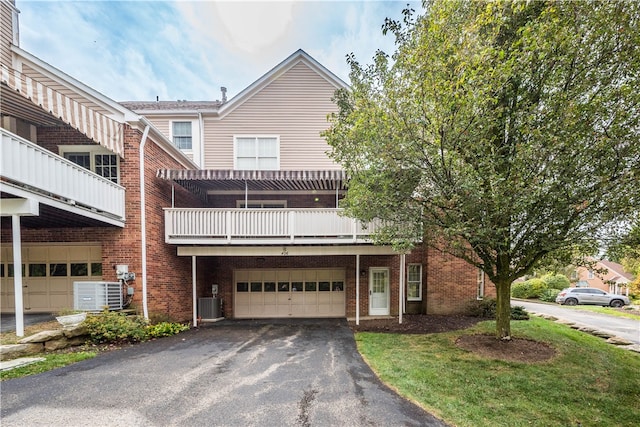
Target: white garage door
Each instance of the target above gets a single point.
(289, 293)
(48, 273)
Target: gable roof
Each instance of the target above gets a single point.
(616, 269)
(222, 108)
(294, 59)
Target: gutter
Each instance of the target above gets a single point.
(143, 219)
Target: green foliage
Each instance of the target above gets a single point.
(165, 329)
(110, 326)
(556, 281)
(117, 327)
(480, 132)
(486, 309)
(531, 288)
(549, 295)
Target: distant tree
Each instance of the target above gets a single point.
(626, 251)
(499, 132)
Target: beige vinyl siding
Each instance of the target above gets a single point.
(162, 123)
(6, 32)
(293, 106)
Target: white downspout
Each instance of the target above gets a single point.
(143, 221)
(200, 161)
(357, 289)
(194, 290)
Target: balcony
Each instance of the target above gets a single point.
(263, 227)
(29, 170)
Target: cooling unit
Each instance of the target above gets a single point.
(95, 296)
(209, 308)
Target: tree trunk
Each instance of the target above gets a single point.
(503, 310)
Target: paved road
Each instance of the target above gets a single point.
(619, 326)
(234, 373)
(8, 320)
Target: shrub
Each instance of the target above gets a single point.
(549, 295)
(486, 309)
(556, 281)
(531, 288)
(165, 329)
(116, 327)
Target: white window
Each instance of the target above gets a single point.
(256, 153)
(480, 285)
(95, 158)
(181, 133)
(414, 282)
(262, 204)
(574, 275)
(590, 274)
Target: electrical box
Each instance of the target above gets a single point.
(214, 290)
(121, 271)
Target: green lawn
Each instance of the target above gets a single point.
(588, 383)
(52, 361)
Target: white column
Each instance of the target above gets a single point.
(194, 290)
(17, 274)
(357, 289)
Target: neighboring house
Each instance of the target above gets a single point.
(606, 275)
(237, 197)
(74, 202)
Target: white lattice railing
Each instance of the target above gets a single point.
(275, 226)
(41, 171)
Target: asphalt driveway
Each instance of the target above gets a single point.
(233, 373)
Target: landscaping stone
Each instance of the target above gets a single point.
(42, 337)
(618, 341)
(11, 351)
(56, 344)
(16, 363)
(76, 331)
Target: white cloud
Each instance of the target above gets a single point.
(131, 50)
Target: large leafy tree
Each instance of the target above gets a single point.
(501, 132)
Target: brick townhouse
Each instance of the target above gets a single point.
(238, 200)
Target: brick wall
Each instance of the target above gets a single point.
(168, 276)
(451, 284)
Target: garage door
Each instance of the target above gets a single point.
(289, 293)
(48, 273)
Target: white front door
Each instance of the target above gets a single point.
(379, 292)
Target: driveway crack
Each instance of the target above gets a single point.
(308, 396)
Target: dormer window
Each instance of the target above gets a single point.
(181, 133)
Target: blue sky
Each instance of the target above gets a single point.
(137, 50)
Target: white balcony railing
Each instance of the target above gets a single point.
(262, 226)
(40, 171)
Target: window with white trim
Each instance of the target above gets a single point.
(414, 282)
(181, 133)
(95, 158)
(256, 152)
(262, 204)
(480, 285)
(590, 275)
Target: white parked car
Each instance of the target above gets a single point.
(594, 296)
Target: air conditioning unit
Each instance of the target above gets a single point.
(209, 308)
(95, 296)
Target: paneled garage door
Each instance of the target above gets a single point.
(48, 273)
(289, 293)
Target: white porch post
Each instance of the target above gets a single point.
(401, 290)
(16, 207)
(194, 290)
(17, 274)
(357, 289)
